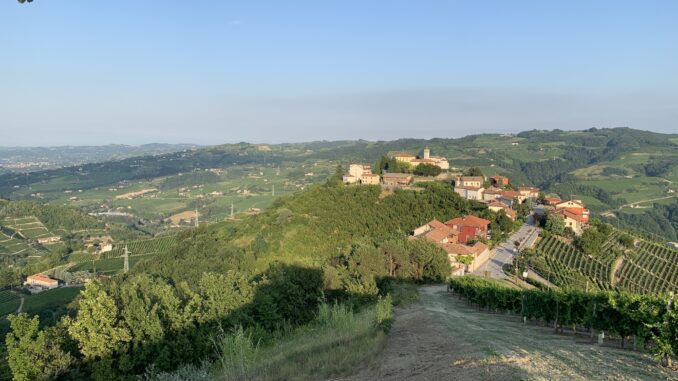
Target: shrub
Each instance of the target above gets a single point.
(384, 313)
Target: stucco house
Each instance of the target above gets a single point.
(469, 227)
(397, 179)
(41, 281)
(470, 192)
(469, 181)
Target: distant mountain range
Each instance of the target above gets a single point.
(27, 159)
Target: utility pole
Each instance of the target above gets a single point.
(125, 267)
(231, 210)
(197, 222)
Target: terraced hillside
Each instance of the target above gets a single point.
(646, 267)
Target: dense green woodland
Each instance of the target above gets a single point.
(263, 273)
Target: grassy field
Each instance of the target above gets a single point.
(334, 345)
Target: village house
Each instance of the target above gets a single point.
(397, 179)
(438, 161)
(446, 237)
(436, 232)
(552, 201)
(469, 181)
(41, 281)
(576, 207)
(361, 174)
(529, 192)
(469, 227)
(511, 194)
(497, 206)
(479, 252)
(470, 192)
(499, 181)
(492, 193)
(573, 219)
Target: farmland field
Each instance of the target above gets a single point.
(112, 261)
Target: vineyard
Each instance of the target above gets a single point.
(112, 261)
(9, 302)
(646, 317)
(653, 269)
(648, 267)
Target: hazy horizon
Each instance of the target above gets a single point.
(211, 72)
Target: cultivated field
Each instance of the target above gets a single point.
(647, 267)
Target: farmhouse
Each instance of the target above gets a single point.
(470, 192)
(573, 219)
(499, 181)
(576, 207)
(361, 174)
(396, 179)
(469, 227)
(41, 281)
(49, 240)
(438, 161)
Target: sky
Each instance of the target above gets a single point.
(210, 72)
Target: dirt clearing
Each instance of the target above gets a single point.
(443, 338)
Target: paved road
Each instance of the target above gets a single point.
(503, 253)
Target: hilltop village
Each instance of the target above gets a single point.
(466, 239)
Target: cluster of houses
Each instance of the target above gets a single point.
(496, 195)
(575, 214)
(437, 161)
(362, 173)
(460, 238)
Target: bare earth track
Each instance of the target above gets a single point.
(443, 338)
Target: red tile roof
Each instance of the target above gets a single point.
(510, 194)
(469, 220)
(460, 249)
(42, 278)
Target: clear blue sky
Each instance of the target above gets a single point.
(98, 72)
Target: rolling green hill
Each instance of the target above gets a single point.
(627, 176)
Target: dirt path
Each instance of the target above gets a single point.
(21, 305)
(442, 338)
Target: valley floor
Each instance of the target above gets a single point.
(443, 338)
